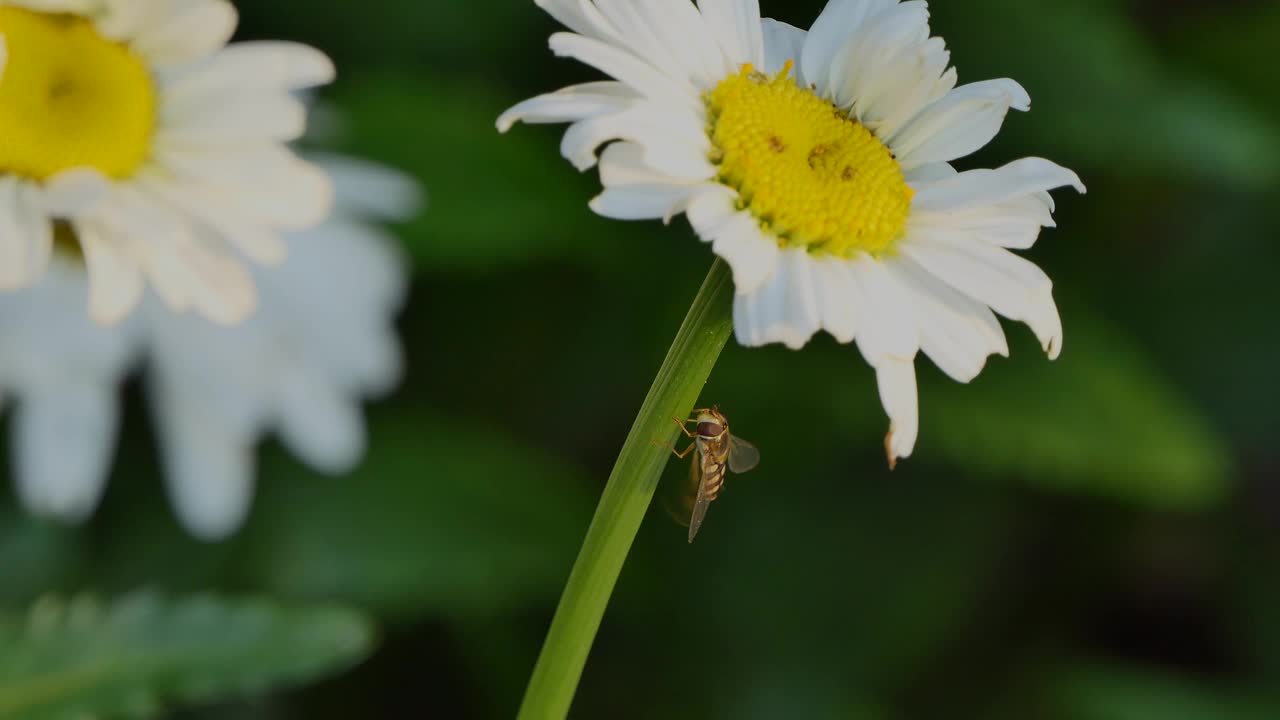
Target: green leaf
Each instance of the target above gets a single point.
(1230, 42)
(1102, 420)
(129, 659)
(1104, 98)
(1109, 692)
(36, 555)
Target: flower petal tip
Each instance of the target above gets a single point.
(1053, 348)
(1078, 184)
(506, 121)
(896, 448)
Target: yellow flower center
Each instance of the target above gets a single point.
(814, 177)
(70, 98)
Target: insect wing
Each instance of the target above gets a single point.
(679, 496)
(743, 456)
(700, 505)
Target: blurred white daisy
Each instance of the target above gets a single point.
(817, 165)
(132, 127)
(301, 365)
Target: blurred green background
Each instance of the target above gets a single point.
(1092, 539)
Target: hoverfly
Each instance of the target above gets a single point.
(717, 449)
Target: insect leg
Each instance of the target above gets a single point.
(677, 453)
(684, 429)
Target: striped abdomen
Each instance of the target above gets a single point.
(713, 477)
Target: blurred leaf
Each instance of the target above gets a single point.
(1105, 99)
(494, 200)
(1101, 420)
(1252, 617)
(1235, 41)
(444, 517)
(80, 659)
(1107, 692)
(1196, 283)
(36, 556)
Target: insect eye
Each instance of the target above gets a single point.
(710, 429)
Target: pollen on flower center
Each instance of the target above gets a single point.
(813, 176)
(70, 98)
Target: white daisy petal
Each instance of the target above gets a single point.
(364, 189)
(838, 297)
(783, 43)
(320, 424)
(840, 21)
(115, 280)
(883, 61)
(624, 67)
(925, 78)
(642, 202)
(1010, 285)
(570, 104)
(898, 394)
(61, 371)
(580, 16)
(978, 188)
(887, 327)
(672, 143)
(120, 20)
(181, 262)
(63, 438)
(956, 332)
(785, 310)
(635, 191)
(221, 289)
(736, 237)
(284, 192)
(208, 465)
(959, 124)
(251, 68)
(193, 31)
(1013, 224)
(26, 235)
(750, 253)
(627, 163)
(74, 191)
(269, 117)
(735, 24)
(666, 33)
(928, 173)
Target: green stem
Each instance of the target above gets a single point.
(626, 498)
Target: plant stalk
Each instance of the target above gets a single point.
(626, 498)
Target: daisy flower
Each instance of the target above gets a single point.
(131, 128)
(301, 366)
(817, 164)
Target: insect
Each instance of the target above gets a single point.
(717, 449)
